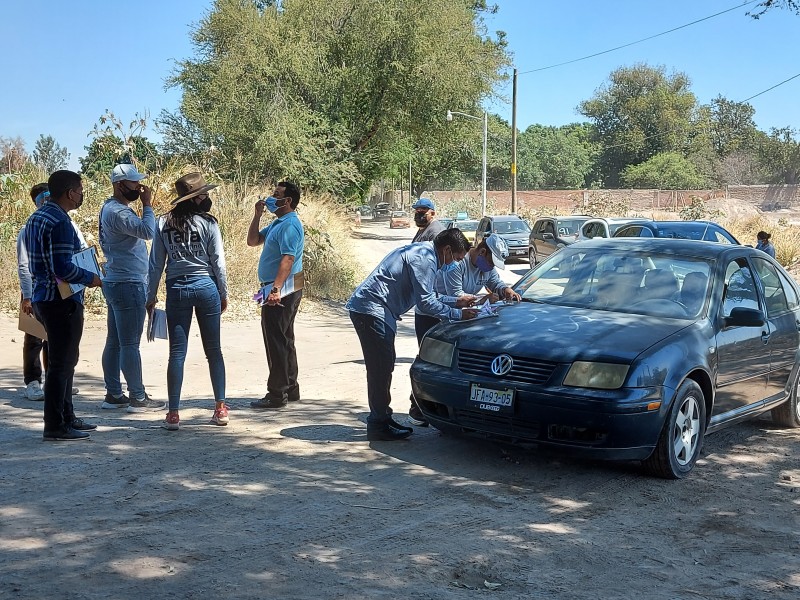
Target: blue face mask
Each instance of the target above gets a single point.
(483, 264)
(272, 204)
(447, 267)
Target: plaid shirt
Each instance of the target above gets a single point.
(51, 241)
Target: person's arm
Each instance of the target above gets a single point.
(62, 246)
(284, 270)
(423, 279)
(158, 259)
(254, 236)
(216, 257)
(126, 221)
(23, 268)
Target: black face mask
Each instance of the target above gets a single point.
(128, 194)
(205, 205)
(421, 219)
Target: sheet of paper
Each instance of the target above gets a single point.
(157, 325)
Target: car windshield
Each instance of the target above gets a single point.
(660, 285)
(683, 231)
(569, 227)
(515, 226)
(466, 225)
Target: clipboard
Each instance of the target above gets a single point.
(32, 326)
(157, 325)
(86, 259)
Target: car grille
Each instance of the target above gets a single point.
(525, 370)
(501, 425)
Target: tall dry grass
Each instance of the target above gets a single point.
(329, 262)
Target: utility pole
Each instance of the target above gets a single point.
(410, 185)
(514, 146)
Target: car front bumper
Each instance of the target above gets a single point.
(605, 424)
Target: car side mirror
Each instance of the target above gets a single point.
(745, 317)
(548, 236)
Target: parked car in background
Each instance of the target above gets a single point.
(550, 234)
(445, 222)
(399, 219)
(512, 228)
(681, 230)
(365, 210)
(623, 349)
(467, 226)
(382, 210)
(605, 227)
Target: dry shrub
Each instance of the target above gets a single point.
(785, 237)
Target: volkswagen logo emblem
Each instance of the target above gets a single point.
(502, 364)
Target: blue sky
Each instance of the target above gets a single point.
(73, 60)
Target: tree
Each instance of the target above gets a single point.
(49, 155)
(780, 156)
(12, 155)
(322, 90)
(732, 126)
(107, 150)
(555, 157)
(642, 111)
(665, 171)
(739, 168)
(766, 5)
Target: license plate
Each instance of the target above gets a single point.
(519, 252)
(491, 399)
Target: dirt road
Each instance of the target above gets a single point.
(297, 504)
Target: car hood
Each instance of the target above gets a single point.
(560, 333)
(521, 238)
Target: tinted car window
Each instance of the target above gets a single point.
(774, 294)
(548, 227)
(719, 237)
(634, 231)
(594, 230)
(740, 289)
(568, 227)
(791, 295)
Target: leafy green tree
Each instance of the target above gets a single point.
(49, 155)
(780, 156)
(732, 126)
(666, 171)
(322, 90)
(766, 5)
(108, 150)
(642, 111)
(555, 157)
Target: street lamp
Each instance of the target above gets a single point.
(485, 120)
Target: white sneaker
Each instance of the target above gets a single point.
(34, 391)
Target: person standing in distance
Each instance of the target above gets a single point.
(51, 241)
(280, 273)
(425, 218)
(189, 243)
(764, 244)
(122, 237)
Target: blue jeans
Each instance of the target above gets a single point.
(185, 295)
(125, 301)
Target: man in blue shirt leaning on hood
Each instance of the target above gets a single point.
(403, 279)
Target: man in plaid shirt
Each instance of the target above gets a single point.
(51, 241)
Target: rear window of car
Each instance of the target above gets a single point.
(569, 227)
(515, 226)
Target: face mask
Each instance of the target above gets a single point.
(483, 264)
(447, 267)
(205, 205)
(128, 194)
(272, 203)
(421, 219)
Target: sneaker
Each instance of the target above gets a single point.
(34, 391)
(82, 425)
(147, 403)
(220, 416)
(417, 422)
(173, 421)
(66, 434)
(385, 432)
(75, 391)
(270, 402)
(114, 402)
(415, 416)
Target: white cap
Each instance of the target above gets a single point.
(499, 249)
(126, 173)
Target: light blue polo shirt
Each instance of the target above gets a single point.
(283, 236)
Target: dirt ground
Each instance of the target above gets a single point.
(297, 504)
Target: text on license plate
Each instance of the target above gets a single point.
(491, 399)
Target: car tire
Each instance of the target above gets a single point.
(788, 413)
(681, 438)
(532, 257)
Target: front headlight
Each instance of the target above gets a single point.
(437, 352)
(604, 376)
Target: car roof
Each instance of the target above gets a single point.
(616, 220)
(505, 217)
(680, 247)
(565, 218)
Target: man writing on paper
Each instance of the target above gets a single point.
(51, 241)
(280, 272)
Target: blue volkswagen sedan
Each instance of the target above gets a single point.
(624, 349)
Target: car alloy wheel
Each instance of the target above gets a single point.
(788, 413)
(681, 437)
(532, 256)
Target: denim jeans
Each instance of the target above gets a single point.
(125, 301)
(186, 295)
(377, 345)
(63, 321)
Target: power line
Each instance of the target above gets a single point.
(569, 62)
(771, 88)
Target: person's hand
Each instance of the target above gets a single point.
(26, 306)
(260, 207)
(151, 305)
(146, 194)
(274, 299)
(465, 301)
(468, 313)
(510, 295)
(223, 304)
(96, 282)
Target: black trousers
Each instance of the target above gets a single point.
(32, 365)
(63, 321)
(377, 345)
(277, 328)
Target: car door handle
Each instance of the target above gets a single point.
(765, 336)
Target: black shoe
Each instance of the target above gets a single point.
(67, 434)
(400, 426)
(82, 425)
(270, 402)
(385, 432)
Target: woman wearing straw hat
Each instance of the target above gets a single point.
(189, 243)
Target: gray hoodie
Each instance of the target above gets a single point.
(122, 236)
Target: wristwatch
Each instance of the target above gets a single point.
(274, 290)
